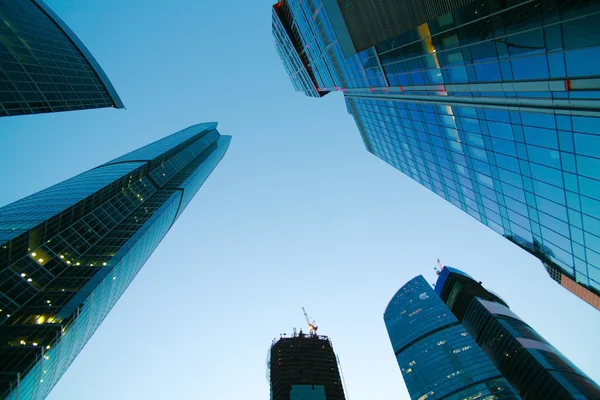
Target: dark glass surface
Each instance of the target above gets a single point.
(304, 361)
(42, 67)
(532, 365)
(70, 251)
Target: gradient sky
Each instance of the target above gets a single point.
(297, 214)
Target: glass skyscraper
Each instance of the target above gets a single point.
(492, 105)
(304, 367)
(68, 253)
(44, 67)
(437, 356)
(535, 368)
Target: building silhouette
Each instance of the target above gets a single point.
(304, 367)
(67, 253)
(44, 67)
(492, 105)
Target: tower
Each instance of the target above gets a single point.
(304, 367)
(462, 340)
(67, 253)
(44, 67)
(492, 105)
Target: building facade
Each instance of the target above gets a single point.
(493, 105)
(44, 67)
(438, 358)
(535, 368)
(68, 253)
(304, 367)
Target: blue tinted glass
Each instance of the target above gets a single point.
(590, 206)
(507, 162)
(538, 119)
(510, 177)
(586, 124)
(589, 187)
(550, 192)
(544, 156)
(513, 192)
(488, 72)
(588, 166)
(546, 174)
(504, 146)
(552, 208)
(497, 115)
(588, 145)
(578, 61)
(526, 68)
(500, 130)
(541, 137)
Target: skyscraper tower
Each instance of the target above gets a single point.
(437, 356)
(68, 253)
(44, 67)
(304, 366)
(462, 340)
(492, 105)
(532, 365)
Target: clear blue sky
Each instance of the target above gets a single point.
(297, 214)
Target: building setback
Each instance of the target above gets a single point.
(304, 367)
(461, 341)
(67, 253)
(492, 105)
(44, 67)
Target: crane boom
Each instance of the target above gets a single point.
(312, 328)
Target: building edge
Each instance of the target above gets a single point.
(117, 103)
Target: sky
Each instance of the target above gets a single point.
(298, 214)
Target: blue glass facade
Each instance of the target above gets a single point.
(535, 368)
(68, 253)
(44, 67)
(495, 107)
(438, 358)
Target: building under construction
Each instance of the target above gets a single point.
(304, 367)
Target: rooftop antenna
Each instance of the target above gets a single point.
(312, 328)
(441, 267)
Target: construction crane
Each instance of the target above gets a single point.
(312, 328)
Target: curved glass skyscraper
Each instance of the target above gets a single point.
(44, 67)
(68, 253)
(462, 341)
(492, 105)
(438, 358)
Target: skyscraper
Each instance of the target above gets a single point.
(492, 105)
(532, 365)
(437, 356)
(44, 67)
(68, 253)
(304, 367)
(462, 341)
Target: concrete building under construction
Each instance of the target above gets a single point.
(304, 367)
